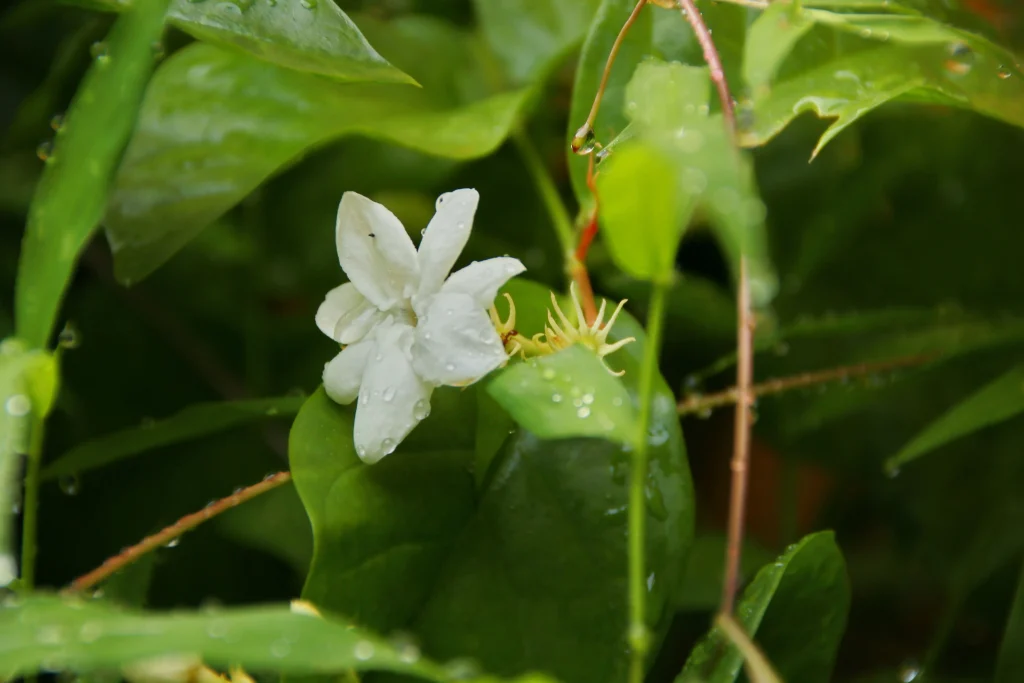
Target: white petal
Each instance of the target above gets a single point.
(456, 344)
(481, 280)
(346, 315)
(375, 251)
(392, 399)
(344, 374)
(445, 236)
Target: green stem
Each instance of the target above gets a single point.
(549, 196)
(31, 506)
(639, 639)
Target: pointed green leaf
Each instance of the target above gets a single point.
(795, 609)
(997, 401)
(305, 35)
(177, 177)
(569, 393)
(72, 192)
(195, 421)
(769, 41)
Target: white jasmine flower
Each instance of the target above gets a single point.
(406, 325)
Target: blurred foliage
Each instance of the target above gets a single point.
(167, 210)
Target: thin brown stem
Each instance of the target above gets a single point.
(700, 29)
(586, 131)
(168, 534)
(741, 439)
(700, 404)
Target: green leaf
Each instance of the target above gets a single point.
(305, 35)
(795, 609)
(537, 580)
(611, 119)
(999, 400)
(1010, 664)
(45, 632)
(569, 393)
(709, 174)
(381, 532)
(644, 210)
(529, 35)
(70, 197)
(177, 177)
(195, 421)
(769, 41)
(906, 57)
(28, 386)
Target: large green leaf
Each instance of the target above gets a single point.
(528, 35)
(200, 419)
(51, 633)
(28, 386)
(307, 35)
(72, 192)
(893, 56)
(204, 143)
(381, 532)
(795, 609)
(997, 401)
(537, 581)
(566, 394)
(611, 119)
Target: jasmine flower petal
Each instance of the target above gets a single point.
(346, 315)
(445, 237)
(456, 343)
(344, 374)
(481, 280)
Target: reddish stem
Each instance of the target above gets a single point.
(700, 29)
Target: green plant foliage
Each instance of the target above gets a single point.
(1000, 399)
(193, 422)
(549, 531)
(809, 580)
(69, 199)
(45, 631)
(1010, 664)
(588, 400)
(169, 187)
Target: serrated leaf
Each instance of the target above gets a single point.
(795, 609)
(177, 176)
(529, 35)
(193, 422)
(567, 394)
(71, 194)
(382, 531)
(46, 632)
(537, 580)
(999, 400)
(611, 119)
(899, 56)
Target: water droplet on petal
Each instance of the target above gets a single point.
(450, 367)
(421, 409)
(389, 394)
(388, 446)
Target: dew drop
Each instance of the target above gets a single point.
(69, 337)
(556, 398)
(280, 648)
(308, 4)
(57, 122)
(961, 59)
(421, 409)
(18, 405)
(361, 451)
(69, 484)
(617, 401)
(363, 650)
(1004, 72)
(389, 394)
(583, 412)
(548, 373)
(364, 399)
(158, 49)
(45, 150)
(100, 51)
(584, 142)
(450, 367)
(173, 543)
(461, 669)
(50, 635)
(587, 399)
(388, 446)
